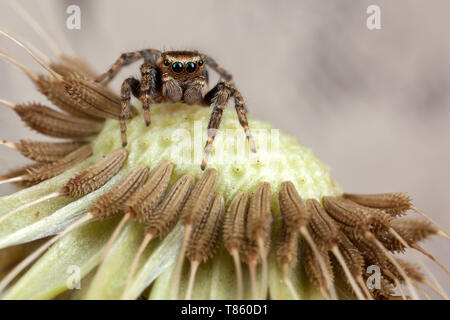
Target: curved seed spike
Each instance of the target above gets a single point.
(258, 227)
(394, 204)
(292, 206)
(39, 251)
(233, 234)
(145, 200)
(34, 77)
(44, 151)
(111, 203)
(96, 175)
(56, 124)
(328, 233)
(204, 239)
(20, 44)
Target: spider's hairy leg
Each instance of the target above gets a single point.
(147, 88)
(214, 65)
(130, 85)
(124, 60)
(239, 105)
(218, 97)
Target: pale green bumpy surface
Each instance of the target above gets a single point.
(174, 129)
(178, 133)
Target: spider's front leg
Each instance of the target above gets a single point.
(130, 85)
(148, 89)
(218, 97)
(123, 60)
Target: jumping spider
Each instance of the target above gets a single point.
(177, 76)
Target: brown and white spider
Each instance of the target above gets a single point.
(177, 76)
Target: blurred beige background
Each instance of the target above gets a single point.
(373, 105)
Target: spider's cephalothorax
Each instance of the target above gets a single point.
(177, 76)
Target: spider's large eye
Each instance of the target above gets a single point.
(166, 63)
(177, 67)
(190, 67)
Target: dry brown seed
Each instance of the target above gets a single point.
(234, 223)
(393, 203)
(321, 225)
(200, 199)
(287, 248)
(145, 200)
(326, 234)
(56, 124)
(45, 151)
(55, 91)
(89, 94)
(49, 170)
(20, 171)
(204, 237)
(352, 256)
(164, 218)
(260, 214)
(413, 230)
(292, 206)
(52, 88)
(111, 203)
(313, 270)
(96, 175)
(198, 204)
